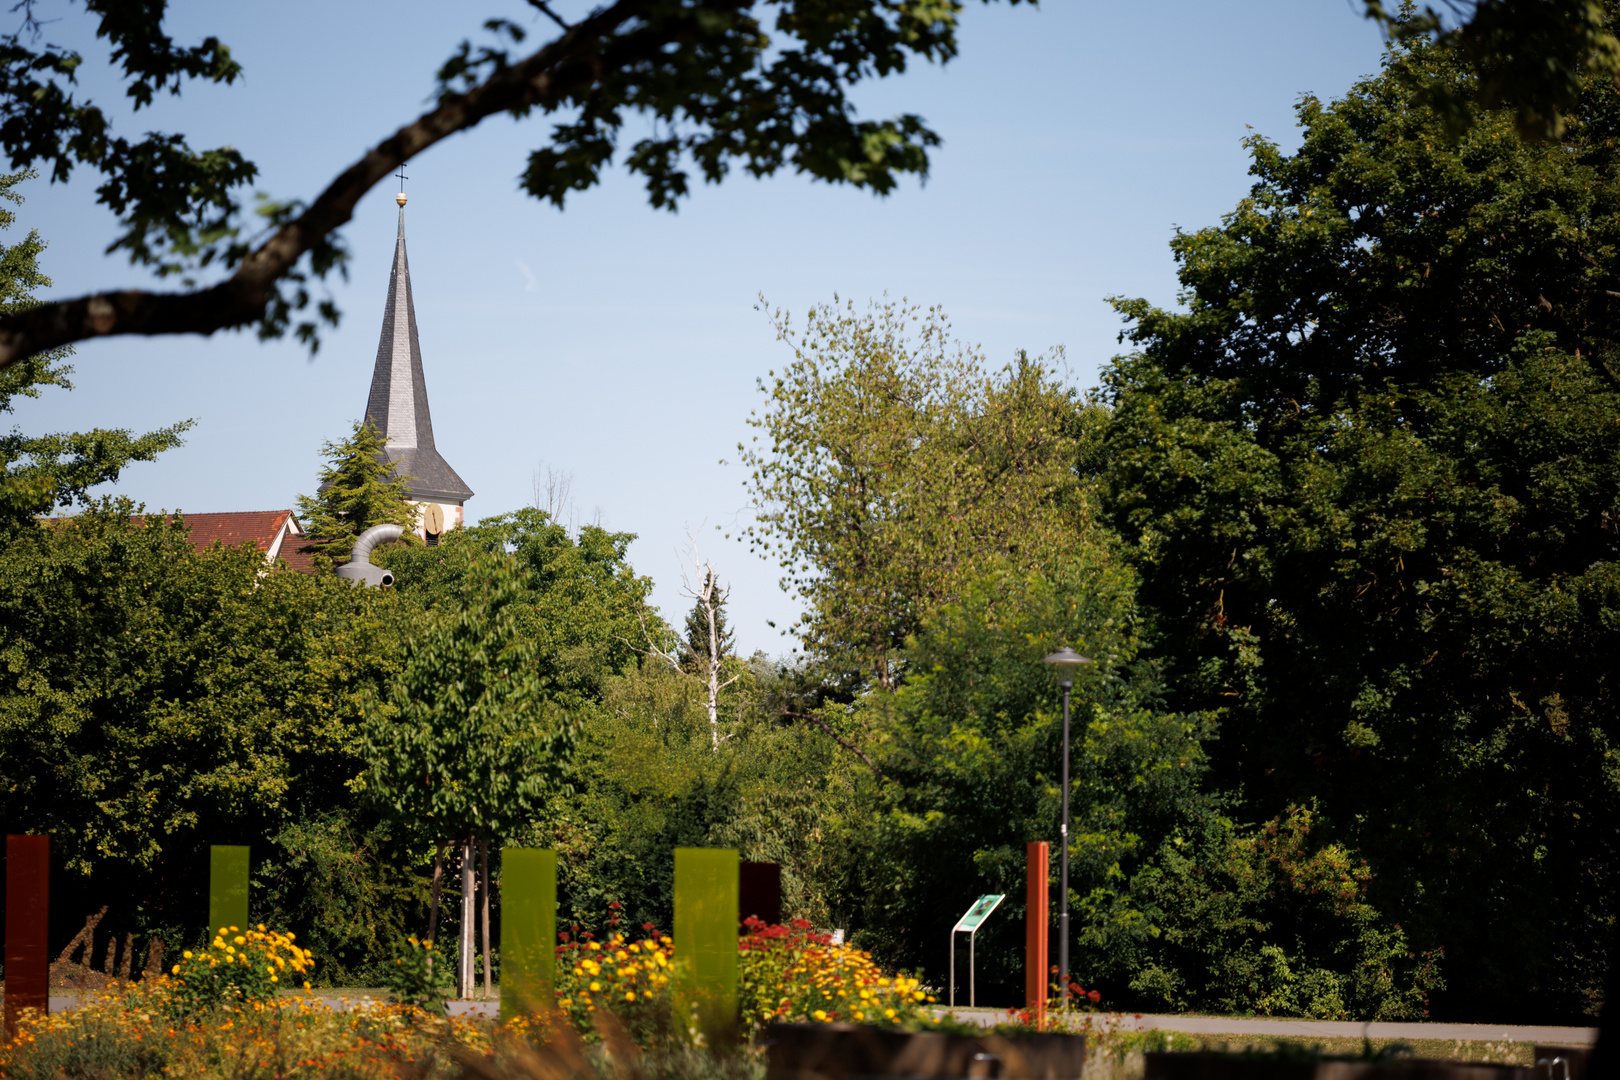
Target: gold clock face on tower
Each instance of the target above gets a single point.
(433, 518)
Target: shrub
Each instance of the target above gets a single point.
(238, 966)
(791, 973)
(420, 977)
(785, 973)
(627, 978)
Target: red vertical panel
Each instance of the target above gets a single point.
(1036, 955)
(28, 882)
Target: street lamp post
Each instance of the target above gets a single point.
(1065, 662)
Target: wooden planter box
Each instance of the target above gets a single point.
(851, 1051)
(1198, 1066)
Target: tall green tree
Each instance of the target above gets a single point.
(359, 489)
(708, 637)
(41, 472)
(890, 462)
(464, 748)
(155, 700)
(583, 606)
(1371, 477)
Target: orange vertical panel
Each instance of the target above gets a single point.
(28, 904)
(1036, 920)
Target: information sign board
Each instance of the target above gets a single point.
(980, 911)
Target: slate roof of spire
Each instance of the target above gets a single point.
(398, 406)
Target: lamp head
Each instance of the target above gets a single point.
(1066, 662)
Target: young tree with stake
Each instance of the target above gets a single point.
(463, 748)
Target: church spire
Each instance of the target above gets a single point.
(398, 406)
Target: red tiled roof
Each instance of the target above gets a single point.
(236, 529)
(259, 527)
(301, 561)
(233, 529)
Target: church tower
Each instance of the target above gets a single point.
(398, 408)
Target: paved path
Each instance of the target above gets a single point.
(1323, 1029)
(1191, 1025)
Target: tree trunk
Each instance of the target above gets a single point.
(709, 587)
(483, 869)
(469, 913)
(438, 889)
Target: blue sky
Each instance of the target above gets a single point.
(622, 345)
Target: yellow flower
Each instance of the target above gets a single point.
(274, 979)
(234, 930)
(629, 995)
(889, 1013)
(306, 984)
(186, 954)
(239, 939)
(230, 949)
(261, 928)
(596, 986)
(819, 1015)
(593, 946)
(176, 970)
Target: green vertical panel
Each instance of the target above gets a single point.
(227, 887)
(706, 940)
(528, 929)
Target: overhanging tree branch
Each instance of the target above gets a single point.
(837, 738)
(715, 85)
(566, 66)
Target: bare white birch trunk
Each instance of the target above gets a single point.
(709, 587)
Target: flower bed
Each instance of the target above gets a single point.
(787, 973)
(130, 1032)
(222, 1012)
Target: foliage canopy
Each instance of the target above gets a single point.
(1369, 479)
(889, 463)
(39, 473)
(359, 489)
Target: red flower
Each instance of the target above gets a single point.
(1094, 996)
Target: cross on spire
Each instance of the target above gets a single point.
(402, 177)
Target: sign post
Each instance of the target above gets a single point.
(1036, 926)
(969, 924)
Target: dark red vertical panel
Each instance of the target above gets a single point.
(1037, 957)
(759, 891)
(28, 904)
